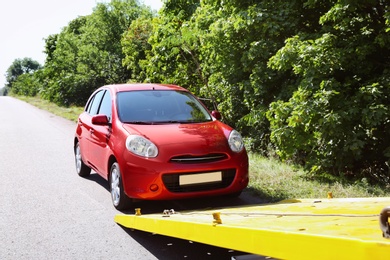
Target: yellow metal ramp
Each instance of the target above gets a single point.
(291, 229)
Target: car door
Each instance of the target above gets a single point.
(100, 135)
(85, 127)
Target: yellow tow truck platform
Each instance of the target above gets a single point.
(350, 228)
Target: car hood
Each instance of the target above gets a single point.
(195, 138)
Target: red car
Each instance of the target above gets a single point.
(158, 142)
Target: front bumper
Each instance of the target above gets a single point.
(151, 179)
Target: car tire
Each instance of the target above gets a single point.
(119, 199)
(81, 169)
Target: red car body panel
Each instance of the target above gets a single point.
(158, 178)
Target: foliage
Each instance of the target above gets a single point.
(88, 53)
(135, 45)
(174, 53)
(338, 120)
(26, 85)
(20, 67)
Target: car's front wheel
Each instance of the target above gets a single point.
(81, 169)
(119, 199)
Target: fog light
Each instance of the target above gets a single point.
(153, 187)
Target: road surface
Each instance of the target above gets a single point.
(49, 212)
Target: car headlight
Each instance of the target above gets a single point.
(235, 141)
(141, 146)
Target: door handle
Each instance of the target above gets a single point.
(91, 131)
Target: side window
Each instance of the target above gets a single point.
(105, 106)
(88, 107)
(95, 103)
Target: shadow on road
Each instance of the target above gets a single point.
(149, 207)
(99, 180)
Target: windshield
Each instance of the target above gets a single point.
(160, 106)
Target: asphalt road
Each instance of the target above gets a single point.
(49, 212)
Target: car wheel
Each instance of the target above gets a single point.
(119, 199)
(82, 169)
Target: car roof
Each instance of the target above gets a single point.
(143, 86)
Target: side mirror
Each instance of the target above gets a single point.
(100, 120)
(216, 114)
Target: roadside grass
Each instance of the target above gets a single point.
(70, 113)
(273, 180)
(270, 179)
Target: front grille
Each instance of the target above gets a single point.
(171, 182)
(199, 159)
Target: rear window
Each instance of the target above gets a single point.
(160, 106)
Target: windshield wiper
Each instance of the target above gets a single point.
(171, 122)
(139, 122)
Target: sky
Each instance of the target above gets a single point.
(24, 24)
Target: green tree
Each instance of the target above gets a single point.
(337, 119)
(174, 54)
(135, 45)
(88, 53)
(26, 84)
(20, 67)
(59, 79)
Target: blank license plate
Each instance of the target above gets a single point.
(200, 178)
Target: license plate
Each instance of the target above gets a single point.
(199, 178)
